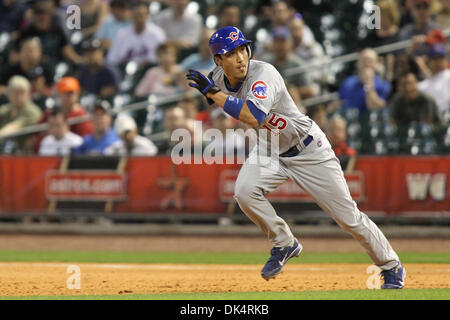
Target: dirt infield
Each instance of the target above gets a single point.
(33, 279)
(48, 279)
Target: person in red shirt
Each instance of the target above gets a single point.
(337, 135)
(68, 89)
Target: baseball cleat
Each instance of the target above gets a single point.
(278, 259)
(394, 278)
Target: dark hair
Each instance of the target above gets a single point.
(28, 39)
(164, 47)
(313, 110)
(226, 5)
(122, 4)
(139, 4)
(43, 6)
(405, 74)
(57, 112)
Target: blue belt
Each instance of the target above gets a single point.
(294, 151)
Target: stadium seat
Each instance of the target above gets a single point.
(351, 114)
(353, 130)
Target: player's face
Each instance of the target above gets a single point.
(234, 64)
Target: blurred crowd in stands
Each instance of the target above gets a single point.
(79, 82)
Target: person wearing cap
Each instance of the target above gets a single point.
(284, 58)
(130, 144)
(96, 77)
(68, 90)
(416, 31)
(54, 41)
(20, 111)
(437, 86)
(103, 135)
(59, 141)
(31, 67)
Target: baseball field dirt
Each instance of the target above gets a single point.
(26, 272)
(48, 279)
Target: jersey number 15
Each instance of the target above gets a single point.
(277, 122)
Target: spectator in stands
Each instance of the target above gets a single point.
(103, 135)
(182, 28)
(389, 26)
(443, 18)
(12, 15)
(337, 135)
(284, 59)
(229, 15)
(165, 78)
(175, 118)
(387, 34)
(233, 142)
(423, 23)
(116, 21)
(96, 77)
(131, 144)
(137, 42)
(403, 63)
(93, 12)
(366, 90)
(31, 67)
(191, 105)
(318, 114)
(19, 112)
(438, 85)
(310, 51)
(280, 14)
(202, 61)
(54, 42)
(406, 16)
(411, 105)
(59, 141)
(68, 89)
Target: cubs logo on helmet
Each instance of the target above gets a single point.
(226, 39)
(259, 89)
(233, 36)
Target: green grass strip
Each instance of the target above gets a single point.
(204, 257)
(405, 294)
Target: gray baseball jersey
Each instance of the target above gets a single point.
(315, 169)
(266, 89)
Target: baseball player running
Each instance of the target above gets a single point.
(255, 93)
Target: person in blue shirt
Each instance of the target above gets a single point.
(366, 90)
(103, 136)
(203, 59)
(118, 19)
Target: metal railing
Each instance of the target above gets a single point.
(158, 101)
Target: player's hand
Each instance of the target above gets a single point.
(201, 82)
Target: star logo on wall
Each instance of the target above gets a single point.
(176, 186)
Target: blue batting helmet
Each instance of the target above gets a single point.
(227, 39)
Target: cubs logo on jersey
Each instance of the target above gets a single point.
(259, 89)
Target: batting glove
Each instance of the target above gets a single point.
(202, 83)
